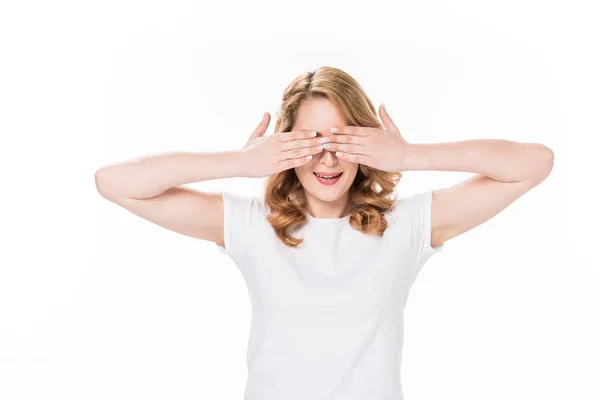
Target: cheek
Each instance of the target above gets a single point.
(352, 173)
(302, 172)
(351, 168)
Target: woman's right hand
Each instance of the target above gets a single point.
(268, 155)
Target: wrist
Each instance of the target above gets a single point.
(414, 156)
(236, 160)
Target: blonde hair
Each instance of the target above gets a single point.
(369, 193)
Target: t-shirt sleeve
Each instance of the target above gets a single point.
(420, 221)
(239, 216)
(421, 224)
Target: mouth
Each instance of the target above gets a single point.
(328, 178)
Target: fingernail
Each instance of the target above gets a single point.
(334, 129)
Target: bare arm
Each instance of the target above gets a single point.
(505, 171)
(150, 187)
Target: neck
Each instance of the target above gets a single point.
(327, 209)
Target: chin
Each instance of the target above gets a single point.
(326, 193)
(317, 188)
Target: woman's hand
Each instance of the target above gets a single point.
(268, 155)
(381, 149)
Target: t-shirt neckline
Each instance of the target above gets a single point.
(326, 220)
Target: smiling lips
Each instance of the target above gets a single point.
(327, 178)
(327, 174)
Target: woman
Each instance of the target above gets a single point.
(327, 253)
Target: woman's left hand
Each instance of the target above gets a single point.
(376, 148)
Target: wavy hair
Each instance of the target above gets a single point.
(370, 193)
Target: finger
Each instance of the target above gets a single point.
(262, 127)
(349, 130)
(293, 135)
(299, 143)
(355, 158)
(300, 152)
(294, 162)
(346, 148)
(357, 139)
(387, 120)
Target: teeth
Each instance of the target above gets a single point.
(327, 177)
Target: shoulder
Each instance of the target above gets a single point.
(243, 204)
(244, 222)
(412, 216)
(411, 205)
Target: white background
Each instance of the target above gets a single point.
(96, 303)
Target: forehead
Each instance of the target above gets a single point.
(319, 115)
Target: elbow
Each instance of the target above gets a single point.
(101, 183)
(543, 163)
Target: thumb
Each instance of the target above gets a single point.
(387, 120)
(262, 127)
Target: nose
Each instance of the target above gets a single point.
(328, 157)
(325, 133)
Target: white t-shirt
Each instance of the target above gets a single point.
(327, 317)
